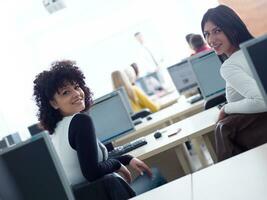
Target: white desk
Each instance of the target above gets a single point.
(168, 99)
(196, 125)
(180, 189)
(241, 177)
(163, 118)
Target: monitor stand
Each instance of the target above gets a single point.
(196, 97)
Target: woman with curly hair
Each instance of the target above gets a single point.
(62, 96)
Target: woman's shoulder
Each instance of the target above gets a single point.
(80, 122)
(235, 61)
(234, 58)
(81, 117)
(137, 89)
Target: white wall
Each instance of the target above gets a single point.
(97, 34)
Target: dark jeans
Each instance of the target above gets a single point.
(144, 183)
(238, 133)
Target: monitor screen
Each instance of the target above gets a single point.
(206, 67)
(150, 83)
(31, 170)
(110, 117)
(255, 53)
(182, 76)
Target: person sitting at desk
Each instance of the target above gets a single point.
(136, 69)
(242, 120)
(62, 96)
(198, 44)
(139, 100)
(153, 84)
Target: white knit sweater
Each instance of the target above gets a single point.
(242, 92)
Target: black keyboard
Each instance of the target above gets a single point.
(118, 151)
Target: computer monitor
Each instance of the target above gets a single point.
(182, 76)
(255, 53)
(206, 67)
(12, 139)
(150, 83)
(35, 129)
(125, 99)
(31, 170)
(110, 117)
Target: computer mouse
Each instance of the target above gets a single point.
(148, 118)
(157, 135)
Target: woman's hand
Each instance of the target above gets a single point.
(125, 173)
(222, 114)
(140, 166)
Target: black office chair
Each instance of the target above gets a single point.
(141, 114)
(215, 101)
(110, 187)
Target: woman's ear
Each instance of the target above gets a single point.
(53, 103)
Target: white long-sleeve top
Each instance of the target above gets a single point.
(242, 92)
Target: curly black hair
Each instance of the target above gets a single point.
(47, 83)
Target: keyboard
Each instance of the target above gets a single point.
(118, 151)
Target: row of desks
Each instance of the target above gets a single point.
(180, 116)
(241, 177)
(163, 118)
(191, 128)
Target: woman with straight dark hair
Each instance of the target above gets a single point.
(224, 31)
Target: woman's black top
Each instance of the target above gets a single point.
(82, 138)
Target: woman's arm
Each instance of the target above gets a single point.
(125, 159)
(82, 138)
(246, 86)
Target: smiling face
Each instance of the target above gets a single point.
(217, 40)
(69, 100)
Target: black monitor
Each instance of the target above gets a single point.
(35, 129)
(255, 53)
(182, 76)
(110, 117)
(31, 170)
(206, 67)
(12, 139)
